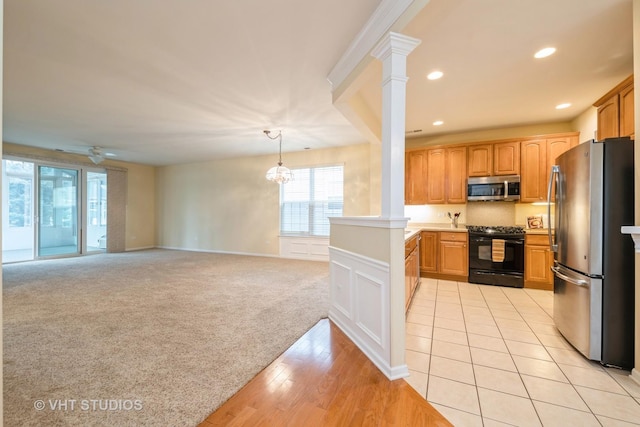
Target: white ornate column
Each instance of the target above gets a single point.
(367, 289)
(393, 51)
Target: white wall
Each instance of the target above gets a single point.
(229, 206)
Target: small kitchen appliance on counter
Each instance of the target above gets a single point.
(496, 255)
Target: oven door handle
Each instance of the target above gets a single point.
(518, 241)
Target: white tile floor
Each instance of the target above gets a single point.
(491, 356)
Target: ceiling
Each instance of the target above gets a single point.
(160, 82)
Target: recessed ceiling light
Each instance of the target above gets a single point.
(438, 123)
(543, 53)
(435, 75)
(563, 106)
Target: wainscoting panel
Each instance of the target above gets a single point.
(362, 315)
(308, 248)
(341, 299)
(369, 306)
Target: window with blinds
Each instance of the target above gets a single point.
(307, 202)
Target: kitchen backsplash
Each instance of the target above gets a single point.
(478, 213)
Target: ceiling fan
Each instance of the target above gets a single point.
(96, 154)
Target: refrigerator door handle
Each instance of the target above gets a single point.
(555, 174)
(577, 282)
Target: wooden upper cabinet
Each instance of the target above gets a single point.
(416, 178)
(533, 178)
(500, 158)
(537, 158)
(436, 165)
(480, 159)
(616, 111)
(506, 158)
(608, 119)
(456, 175)
(627, 119)
(439, 175)
(557, 146)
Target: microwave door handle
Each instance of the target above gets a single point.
(555, 174)
(506, 189)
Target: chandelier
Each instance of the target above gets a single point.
(280, 174)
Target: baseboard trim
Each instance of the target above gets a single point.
(635, 375)
(430, 275)
(391, 372)
(211, 251)
(140, 248)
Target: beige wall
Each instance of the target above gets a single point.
(141, 208)
(229, 206)
(587, 124)
(371, 242)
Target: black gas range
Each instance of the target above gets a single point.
(496, 255)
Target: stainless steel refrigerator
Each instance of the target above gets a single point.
(593, 304)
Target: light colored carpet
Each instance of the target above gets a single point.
(154, 337)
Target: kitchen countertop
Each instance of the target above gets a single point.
(437, 227)
(537, 231)
(415, 228)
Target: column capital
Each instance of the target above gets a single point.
(394, 43)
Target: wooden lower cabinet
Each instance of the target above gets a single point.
(444, 255)
(428, 252)
(538, 260)
(412, 269)
(454, 254)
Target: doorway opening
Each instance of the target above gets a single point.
(52, 211)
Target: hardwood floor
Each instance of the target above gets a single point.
(325, 380)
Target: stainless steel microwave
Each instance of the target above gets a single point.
(493, 188)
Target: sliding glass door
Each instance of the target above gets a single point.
(58, 217)
(18, 201)
(52, 210)
(96, 211)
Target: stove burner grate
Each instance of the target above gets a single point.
(495, 229)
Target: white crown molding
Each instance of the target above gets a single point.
(395, 43)
(380, 22)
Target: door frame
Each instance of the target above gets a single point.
(81, 200)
